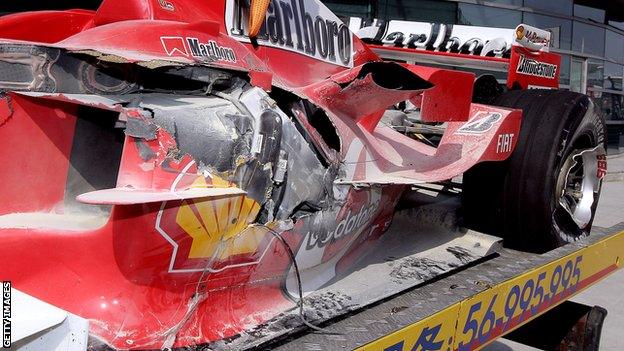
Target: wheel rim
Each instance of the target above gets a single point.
(578, 185)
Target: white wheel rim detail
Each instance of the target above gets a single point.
(578, 184)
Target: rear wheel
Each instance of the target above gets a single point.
(546, 194)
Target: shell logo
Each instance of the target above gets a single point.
(212, 234)
(211, 222)
(520, 32)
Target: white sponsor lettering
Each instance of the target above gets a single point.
(349, 225)
(505, 143)
(471, 40)
(194, 47)
(535, 68)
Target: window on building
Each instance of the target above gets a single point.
(418, 10)
(617, 24)
(611, 106)
(613, 73)
(588, 39)
(508, 2)
(614, 46)
(595, 74)
(562, 7)
(560, 29)
(591, 13)
(577, 75)
(476, 15)
(564, 73)
(352, 8)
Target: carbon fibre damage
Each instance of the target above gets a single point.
(255, 152)
(244, 148)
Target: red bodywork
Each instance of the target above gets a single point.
(155, 270)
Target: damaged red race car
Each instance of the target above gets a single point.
(206, 173)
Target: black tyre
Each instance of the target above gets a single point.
(546, 194)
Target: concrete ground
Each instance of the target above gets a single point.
(610, 292)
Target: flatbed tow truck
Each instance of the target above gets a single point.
(204, 179)
(522, 296)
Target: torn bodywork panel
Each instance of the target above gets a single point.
(47, 69)
(189, 187)
(375, 154)
(348, 93)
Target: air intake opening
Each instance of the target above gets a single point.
(95, 157)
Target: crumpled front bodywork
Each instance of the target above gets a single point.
(155, 187)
